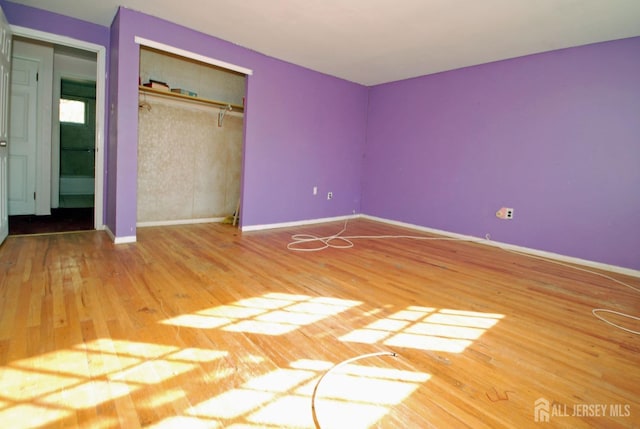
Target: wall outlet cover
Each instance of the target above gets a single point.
(505, 213)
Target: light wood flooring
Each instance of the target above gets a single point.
(205, 326)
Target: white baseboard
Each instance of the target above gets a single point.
(180, 222)
(296, 223)
(109, 233)
(119, 240)
(513, 248)
(125, 240)
(481, 240)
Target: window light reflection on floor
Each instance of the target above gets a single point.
(52, 387)
(48, 388)
(426, 328)
(269, 314)
(355, 396)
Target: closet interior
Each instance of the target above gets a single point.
(190, 135)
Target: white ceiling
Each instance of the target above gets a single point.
(378, 41)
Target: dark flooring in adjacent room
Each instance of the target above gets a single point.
(60, 220)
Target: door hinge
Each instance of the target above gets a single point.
(34, 195)
(37, 76)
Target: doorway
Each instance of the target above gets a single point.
(66, 131)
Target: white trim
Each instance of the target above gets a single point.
(119, 240)
(109, 233)
(480, 240)
(101, 79)
(124, 240)
(180, 222)
(100, 148)
(188, 54)
(511, 247)
(55, 38)
(296, 223)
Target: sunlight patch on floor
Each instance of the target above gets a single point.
(354, 396)
(426, 328)
(51, 387)
(269, 314)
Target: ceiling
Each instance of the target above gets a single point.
(378, 41)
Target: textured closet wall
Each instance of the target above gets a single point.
(188, 167)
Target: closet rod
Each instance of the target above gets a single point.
(145, 89)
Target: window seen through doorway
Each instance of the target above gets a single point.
(72, 111)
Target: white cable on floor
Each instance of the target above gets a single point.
(327, 242)
(595, 312)
(333, 368)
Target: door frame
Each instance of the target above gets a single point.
(101, 72)
(5, 89)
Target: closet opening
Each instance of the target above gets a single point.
(190, 140)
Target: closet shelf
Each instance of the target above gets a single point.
(146, 89)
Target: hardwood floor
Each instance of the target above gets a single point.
(204, 326)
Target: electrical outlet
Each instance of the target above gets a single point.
(505, 213)
(329, 195)
(315, 190)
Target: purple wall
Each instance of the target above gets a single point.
(38, 19)
(111, 205)
(556, 136)
(302, 128)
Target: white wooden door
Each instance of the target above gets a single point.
(5, 69)
(23, 136)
